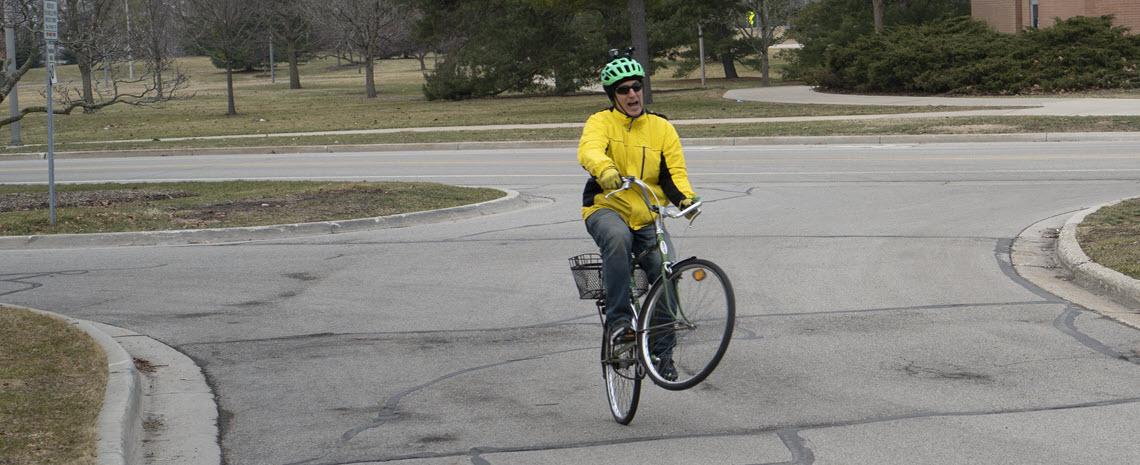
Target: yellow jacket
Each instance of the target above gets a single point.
(647, 147)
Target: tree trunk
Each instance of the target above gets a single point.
(877, 12)
(369, 77)
(156, 58)
(158, 81)
(230, 109)
(767, 36)
(640, 38)
(729, 62)
(294, 72)
(765, 65)
(85, 79)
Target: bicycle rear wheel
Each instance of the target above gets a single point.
(622, 372)
(688, 324)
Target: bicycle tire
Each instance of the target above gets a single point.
(622, 372)
(694, 331)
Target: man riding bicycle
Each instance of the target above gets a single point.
(628, 140)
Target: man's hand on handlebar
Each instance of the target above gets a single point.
(690, 208)
(685, 204)
(610, 179)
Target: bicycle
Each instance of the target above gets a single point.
(686, 319)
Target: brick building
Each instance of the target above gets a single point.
(1016, 15)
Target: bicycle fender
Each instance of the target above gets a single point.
(685, 261)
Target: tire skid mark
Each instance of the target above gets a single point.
(25, 279)
(1066, 323)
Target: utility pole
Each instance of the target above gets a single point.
(10, 49)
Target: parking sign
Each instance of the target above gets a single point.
(51, 20)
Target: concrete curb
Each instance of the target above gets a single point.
(511, 201)
(688, 142)
(120, 420)
(1087, 273)
(179, 412)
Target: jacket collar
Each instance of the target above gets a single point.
(625, 119)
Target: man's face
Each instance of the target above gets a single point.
(627, 97)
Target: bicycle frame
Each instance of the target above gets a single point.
(659, 214)
(659, 323)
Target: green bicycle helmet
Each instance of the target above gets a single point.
(620, 69)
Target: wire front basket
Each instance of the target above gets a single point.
(587, 271)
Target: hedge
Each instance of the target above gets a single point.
(965, 56)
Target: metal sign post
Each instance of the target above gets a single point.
(10, 50)
(51, 35)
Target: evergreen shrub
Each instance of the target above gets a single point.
(964, 56)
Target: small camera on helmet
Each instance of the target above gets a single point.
(621, 52)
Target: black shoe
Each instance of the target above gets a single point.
(667, 370)
(623, 325)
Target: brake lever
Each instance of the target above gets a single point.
(624, 186)
(693, 218)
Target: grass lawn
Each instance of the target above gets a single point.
(908, 126)
(332, 98)
(89, 208)
(1111, 237)
(52, 378)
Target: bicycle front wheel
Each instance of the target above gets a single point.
(621, 370)
(688, 324)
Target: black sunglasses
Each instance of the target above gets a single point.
(625, 89)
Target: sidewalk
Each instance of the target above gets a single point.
(1039, 106)
(1044, 106)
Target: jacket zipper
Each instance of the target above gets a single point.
(642, 163)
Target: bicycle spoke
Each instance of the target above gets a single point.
(689, 322)
(623, 381)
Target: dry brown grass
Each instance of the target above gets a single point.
(92, 208)
(52, 378)
(1111, 237)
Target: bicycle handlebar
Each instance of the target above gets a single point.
(670, 211)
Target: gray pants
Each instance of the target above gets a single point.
(617, 242)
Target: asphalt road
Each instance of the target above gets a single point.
(880, 321)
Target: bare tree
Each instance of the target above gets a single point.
(222, 28)
(290, 23)
(20, 14)
(87, 32)
(70, 99)
(371, 28)
(154, 40)
(772, 18)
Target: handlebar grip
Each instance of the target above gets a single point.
(626, 182)
(696, 206)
